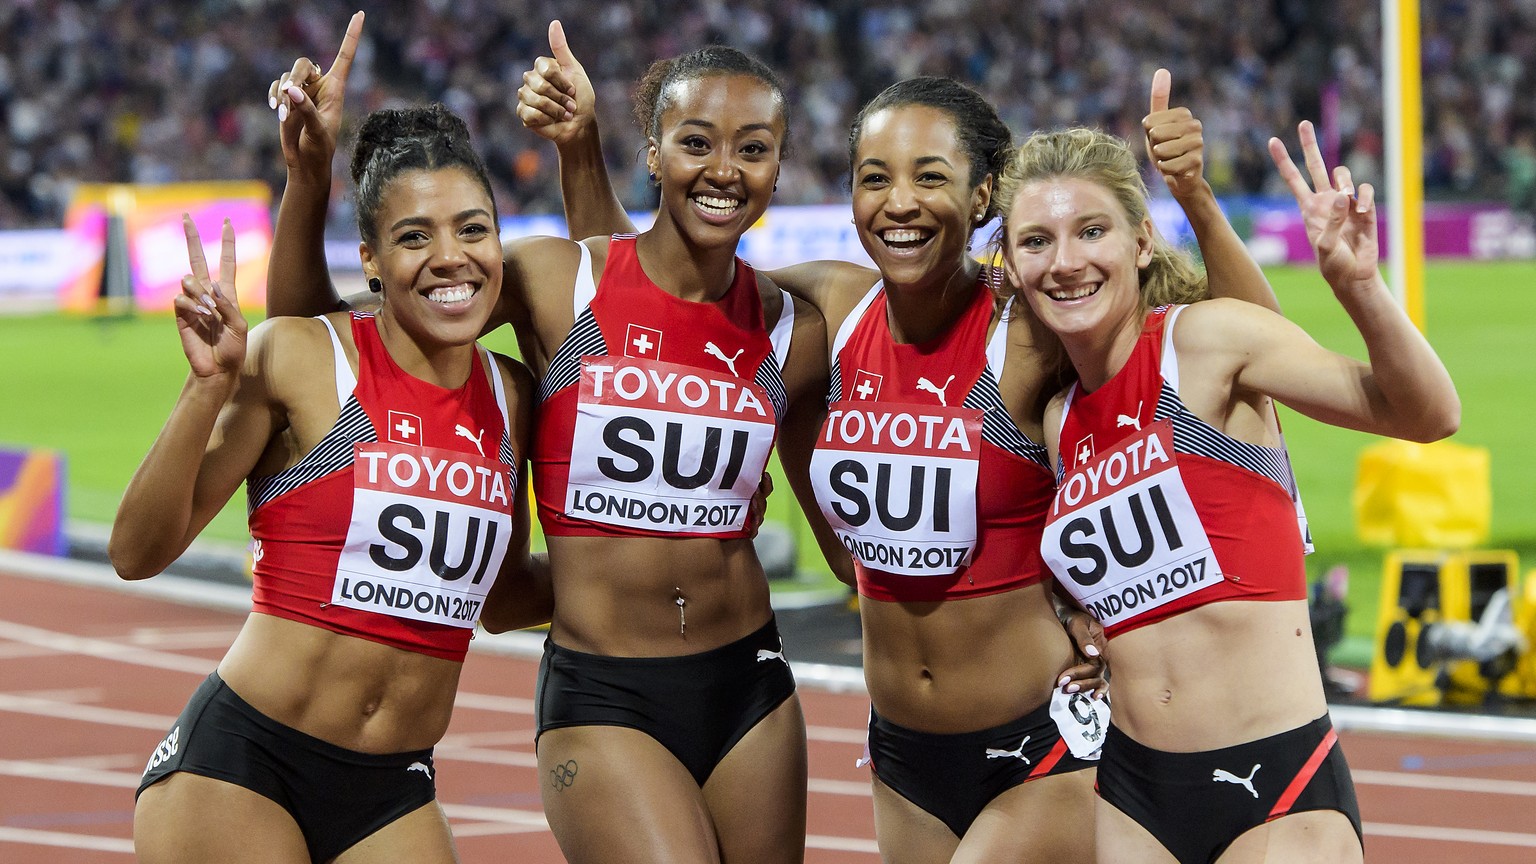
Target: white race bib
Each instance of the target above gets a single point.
(666, 447)
(430, 528)
(1082, 721)
(1123, 536)
(898, 484)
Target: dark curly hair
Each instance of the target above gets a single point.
(393, 141)
(984, 137)
(653, 96)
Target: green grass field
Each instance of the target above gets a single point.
(98, 389)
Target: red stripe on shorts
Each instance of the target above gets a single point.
(1304, 776)
(1050, 760)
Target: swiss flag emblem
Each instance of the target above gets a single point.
(866, 386)
(1083, 452)
(404, 428)
(642, 342)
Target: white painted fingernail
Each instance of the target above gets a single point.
(294, 93)
(282, 112)
(1073, 688)
(1091, 650)
(1064, 680)
(272, 101)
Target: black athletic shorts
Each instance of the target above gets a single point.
(954, 777)
(336, 796)
(696, 705)
(1196, 804)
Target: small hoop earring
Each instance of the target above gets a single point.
(375, 284)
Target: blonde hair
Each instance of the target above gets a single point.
(1098, 157)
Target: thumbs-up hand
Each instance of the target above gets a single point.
(1174, 141)
(557, 100)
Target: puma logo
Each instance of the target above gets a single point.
(713, 350)
(928, 386)
(420, 766)
(994, 753)
(765, 654)
(1221, 775)
(461, 432)
(1125, 420)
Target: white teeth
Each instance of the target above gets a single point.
(1072, 293)
(903, 235)
(716, 206)
(452, 294)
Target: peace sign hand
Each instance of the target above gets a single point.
(208, 317)
(556, 100)
(1174, 141)
(308, 105)
(1341, 224)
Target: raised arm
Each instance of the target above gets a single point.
(1403, 390)
(1176, 146)
(557, 102)
(309, 111)
(220, 424)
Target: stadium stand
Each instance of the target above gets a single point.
(146, 91)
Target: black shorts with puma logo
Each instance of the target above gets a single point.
(337, 796)
(1196, 804)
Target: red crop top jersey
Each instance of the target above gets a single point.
(657, 414)
(395, 525)
(919, 467)
(1157, 512)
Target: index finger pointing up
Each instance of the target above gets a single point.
(343, 65)
(194, 248)
(1162, 85)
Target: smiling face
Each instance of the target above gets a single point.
(717, 155)
(1075, 256)
(438, 254)
(913, 202)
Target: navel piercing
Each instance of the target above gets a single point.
(682, 613)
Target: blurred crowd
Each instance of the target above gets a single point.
(152, 91)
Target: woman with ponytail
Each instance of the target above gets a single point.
(1175, 522)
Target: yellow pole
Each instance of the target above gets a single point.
(1405, 154)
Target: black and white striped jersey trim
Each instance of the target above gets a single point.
(771, 378)
(1199, 438)
(332, 454)
(835, 386)
(997, 427)
(585, 339)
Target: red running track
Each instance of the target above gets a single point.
(91, 678)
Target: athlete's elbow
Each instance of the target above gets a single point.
(129, 561)
(1438, 422)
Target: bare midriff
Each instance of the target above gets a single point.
(350, 692)
(963, 665)
(619, 596)
(1218, 675)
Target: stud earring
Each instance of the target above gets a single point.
(654, 179)
(375, 284)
